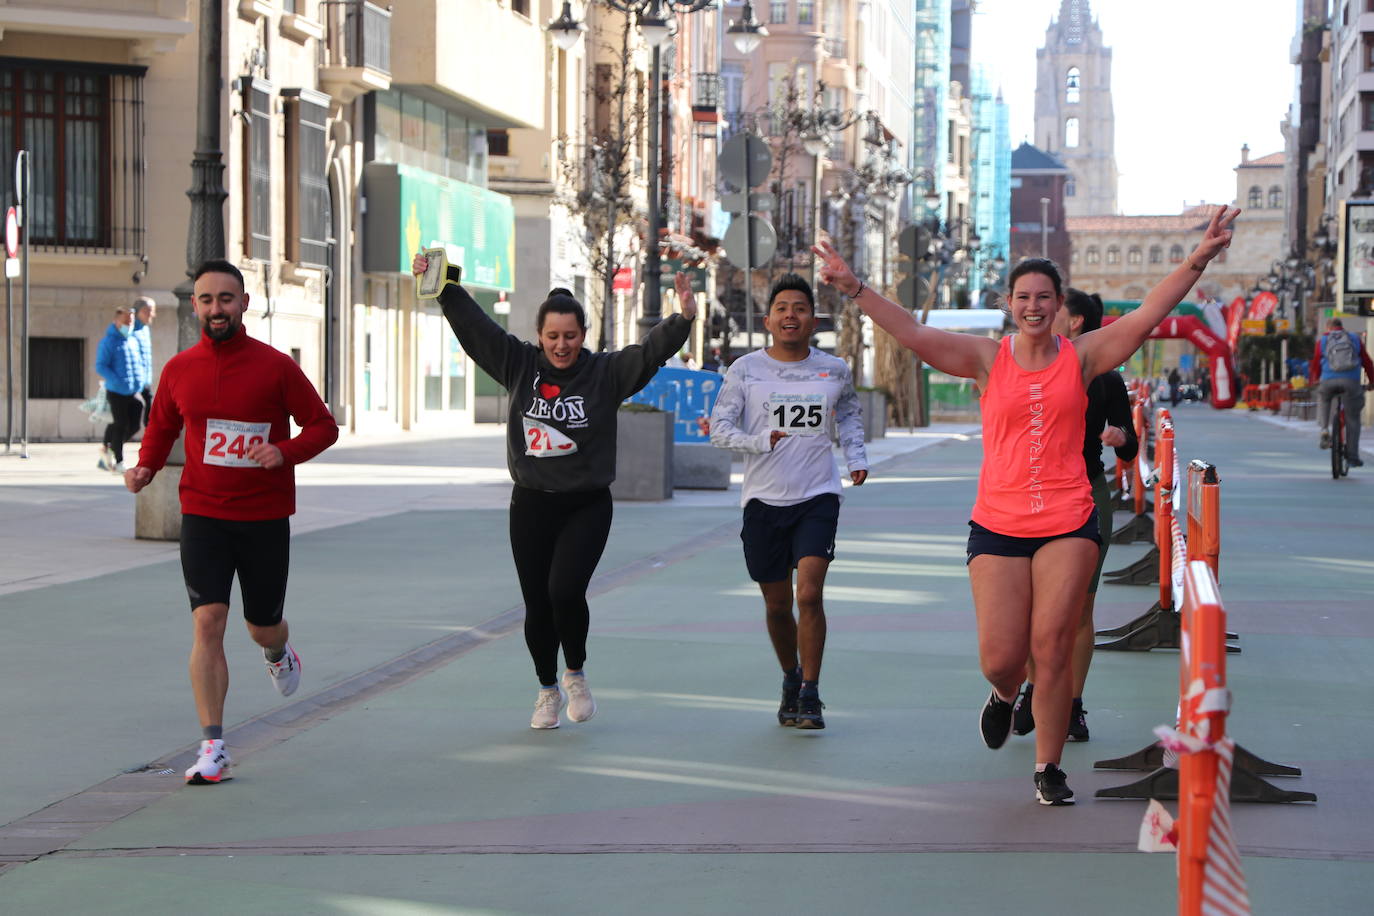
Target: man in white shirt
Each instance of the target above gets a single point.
(782, 406)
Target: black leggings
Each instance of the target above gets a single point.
(125, 411)
(557, 540)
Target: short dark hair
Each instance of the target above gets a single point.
(562, 301)
(1336, 324)
(1043, 266)
(795, 282)
(218, 266)
(1087, 306)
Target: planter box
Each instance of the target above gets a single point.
(874, 406)
(699, 466)
(644, 455)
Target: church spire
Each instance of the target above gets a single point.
(1074, 17)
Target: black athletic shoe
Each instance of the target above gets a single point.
(809, 708)
(1052, 787)
(995, 722)
(787, 712)
(1022, 719)
(1078, 722)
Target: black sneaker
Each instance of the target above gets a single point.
(787, 712)
(1078, 722)
(995, 722)
(809, 708)
(1022, 719)
(1052, 787)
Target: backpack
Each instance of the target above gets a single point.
(1341, 353)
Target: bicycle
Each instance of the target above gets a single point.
(1340, 464)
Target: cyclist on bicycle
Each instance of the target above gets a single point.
(1335, 368)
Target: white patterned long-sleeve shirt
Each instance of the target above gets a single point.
(813, 401)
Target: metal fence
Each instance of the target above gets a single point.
(357, 34)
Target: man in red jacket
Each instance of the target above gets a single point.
(234, 396)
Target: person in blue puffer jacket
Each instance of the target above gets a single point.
(120, 363)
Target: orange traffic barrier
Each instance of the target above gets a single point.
(1204, 516)
(1140, 528)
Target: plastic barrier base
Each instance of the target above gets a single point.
(1157, 628)
(1162, 784)
(1125, 628)
(1151, 757)
(1139, 530)
(1144, 571)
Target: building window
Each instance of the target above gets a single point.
(83, 126)
(1113, 255)
(1156, 254)
(410, 130)
(1093, 256)
(1133, 255)
(1175, 254)
(56, 367)
(1071, 133)
(521, 6)
(806, 12)
(1256, 198)
(777, 11)
(1070, 188)
(308, 208)
(1276, 198)
(257, 168)
(1071, 86)
(498, 142)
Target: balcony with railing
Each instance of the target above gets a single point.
(706, 97)
(356, 52)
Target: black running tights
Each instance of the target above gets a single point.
(125, 409)
(557, 540)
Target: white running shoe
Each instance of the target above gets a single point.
(581, 706)
(211, 766)
(118, 467)
(546, 707)
(286, 674)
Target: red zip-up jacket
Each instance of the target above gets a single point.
(229, 395)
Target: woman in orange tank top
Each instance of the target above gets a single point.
(1034, 541)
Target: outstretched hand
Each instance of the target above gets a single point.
(686, 298)
(419, 265)
(1217, 236)
(834, 270)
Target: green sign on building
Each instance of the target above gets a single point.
(409, 209)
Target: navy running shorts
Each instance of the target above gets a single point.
(981, 540)
(777, 537)
(213, 550)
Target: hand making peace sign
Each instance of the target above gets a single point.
(834, 270)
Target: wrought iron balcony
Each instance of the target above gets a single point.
(356, 53)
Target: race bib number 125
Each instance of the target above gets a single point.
(797, 414)
(227, 442)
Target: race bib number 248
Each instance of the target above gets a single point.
(227, 442)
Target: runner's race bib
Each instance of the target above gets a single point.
(227, 442)
(543, 441)
(798, 413)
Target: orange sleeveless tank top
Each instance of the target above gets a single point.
(1033, 482)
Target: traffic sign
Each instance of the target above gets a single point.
(12, 233)
(734, 202)
(737, 241)
(744, 161)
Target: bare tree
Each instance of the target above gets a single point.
(598, 173)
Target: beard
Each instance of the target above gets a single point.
(229, 330)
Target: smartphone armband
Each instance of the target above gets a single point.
(435, 278)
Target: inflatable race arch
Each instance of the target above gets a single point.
(1205, 326)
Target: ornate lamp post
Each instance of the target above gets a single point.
(652, 17)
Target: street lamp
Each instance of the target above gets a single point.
(652, 17)
(748, 32)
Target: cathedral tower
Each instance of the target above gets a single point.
(1073, 109)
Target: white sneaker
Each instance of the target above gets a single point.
(118, 467)
(211, 766)
(546, 707)
(286, 674)
(581, 706)
(106, 462)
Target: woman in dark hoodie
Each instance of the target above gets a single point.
(560, 448)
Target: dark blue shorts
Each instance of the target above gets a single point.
(777, 537)
(981, 540)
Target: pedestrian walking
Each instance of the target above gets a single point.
(782, 406)
(561, 451)
(1335, 369)
(1175, 387)
(1035, 533)
(145, 310)
(235, 397)
(120, 363)
(1107, 422)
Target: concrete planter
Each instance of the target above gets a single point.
(873, 403)
(700, 466)
(644, 455)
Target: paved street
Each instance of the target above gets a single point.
(403, 778)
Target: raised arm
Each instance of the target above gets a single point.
(635, 365)
(1112, 344)
(489, 345)
(963, 355)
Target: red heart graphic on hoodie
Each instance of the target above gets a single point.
(548, 392)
